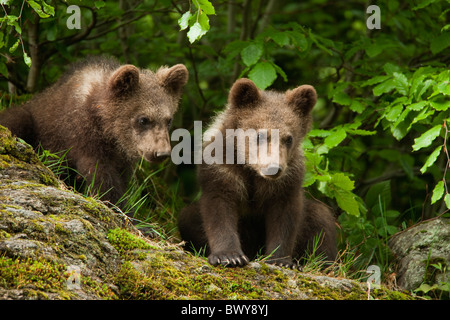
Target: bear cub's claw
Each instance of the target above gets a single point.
(228, 259)
(284, 263)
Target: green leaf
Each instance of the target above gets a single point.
(347, 202)
(37, 8)
(438, 192)
(431, 159)
(379, 192)
(440, 104)
(204, 22)
(335, 138)
(234, 48)
(440, 43)
(384, 87)
(361, 132)
(308, 179)
(3, 69)
(357, 106)
(99, 4)
(205, 6)
(394, 112)
(444, 87)
(280, 38)
(263, 74)
(417, 106)
(14, 46)
(426, 84)
(251, 54)
(183, 22)
(27, 59)
(298, 40)
(390, 68)
(343, 182)
(427, 138)
(342, 98)
(401, 83)
(319, 133)
(12, 21)
(447, 200)
(423, 3)
(49, 9)
(196, 32)
(375, 80)
(280, 72)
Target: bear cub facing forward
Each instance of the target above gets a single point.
(106, 116)
(249, 205)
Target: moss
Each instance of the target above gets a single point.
(16, 153)
(125, 243)
(159, 278)
(47, 178)
(4, 235)
(38, 278)
(37, 274)
(100, 290)
(384, 294)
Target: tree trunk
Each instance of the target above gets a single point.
(33, 43)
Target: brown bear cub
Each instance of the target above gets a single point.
(108, 116)
(246, 206)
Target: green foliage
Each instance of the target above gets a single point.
(198, 22)
(378, 151)
(430, 288)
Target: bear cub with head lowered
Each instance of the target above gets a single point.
(106, 116)
(249, 205)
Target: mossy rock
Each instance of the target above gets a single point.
(58, 244)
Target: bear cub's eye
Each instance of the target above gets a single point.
(144, 121)
(169, 123)
(289, 141)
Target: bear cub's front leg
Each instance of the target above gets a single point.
(282, 221)
(220, 222)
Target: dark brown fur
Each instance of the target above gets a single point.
(242, 211)
(108, 116)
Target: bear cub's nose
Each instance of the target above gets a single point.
(273, 170)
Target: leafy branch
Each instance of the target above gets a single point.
(197, 22)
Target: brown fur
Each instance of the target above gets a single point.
(241, 210)
(108, 116)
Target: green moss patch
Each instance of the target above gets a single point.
(38, 274)
(126, 242)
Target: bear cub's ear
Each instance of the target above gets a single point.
(124, 80)
(244, 93)
(173, 79)
(302, 99)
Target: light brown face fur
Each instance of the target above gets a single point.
(278, 121)
(139, 109)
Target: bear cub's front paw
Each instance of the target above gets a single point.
(283, 262)
(228, 259)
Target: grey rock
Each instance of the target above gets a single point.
(416, 248)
